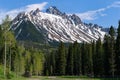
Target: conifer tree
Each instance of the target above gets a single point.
(112, 51)
(52, 63)
(69, 66)
(61, 60)
(1, 46)
(93, 55)
(99, 66)
(106, 55)
(118, 51)
(84, 59)
(90, 60)
(76, 59)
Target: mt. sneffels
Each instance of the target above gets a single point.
(53, 25)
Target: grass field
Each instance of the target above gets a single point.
(60, 78)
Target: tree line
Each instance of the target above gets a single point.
(95, 59)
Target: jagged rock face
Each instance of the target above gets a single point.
(54, 10)
(76, 19)
(53, 26)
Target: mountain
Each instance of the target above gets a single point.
(53, 26)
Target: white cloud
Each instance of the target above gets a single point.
(13, 13)
(35, 6)
(91, 15)
(114, 5)
(94, 14)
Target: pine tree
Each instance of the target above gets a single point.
(69, 66)
(52, 63)
(84, 59)
(106, 55)
(87, 60)
(47, 65)
(79, 59)
(90, 60)
(76, 59)
(99, 66)
(1, 46)
(112, 51)
(118, 51)
(61, 60)
(93, 55)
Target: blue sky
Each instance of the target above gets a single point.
(101, 12)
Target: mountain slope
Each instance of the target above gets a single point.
(53, 25)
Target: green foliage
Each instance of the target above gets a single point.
(37, 62)
(96, 59)
(61, 60)
(70, 66)
(118, 51)
(112, 52)
(99, 70)
(1, 71)
(84, 59)
(29, 32)
(76, 59)
(18, 59)
(9, 75)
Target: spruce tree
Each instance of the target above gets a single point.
(106, 55)
(118, 51)
(99, 66)
(93, 55)
(61, 60)
(1, 46)
(76, 59)
(69, 66)
(52, 63)
(84, 59)
(112, 51)
(79, 60)
(90, 60)
(47, 65)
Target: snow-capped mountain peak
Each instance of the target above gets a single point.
(54, 10)
(53, 25)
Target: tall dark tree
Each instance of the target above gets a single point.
(47, 65)
(52, 63)
(69, 66)
(84, 59)
(90, 60)
(76, 59)
(1, 46)
(106, 55)
(61, 60)
(93, 55)
(87, 60)
(99, 70)
(118, 51)
(112, 51)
